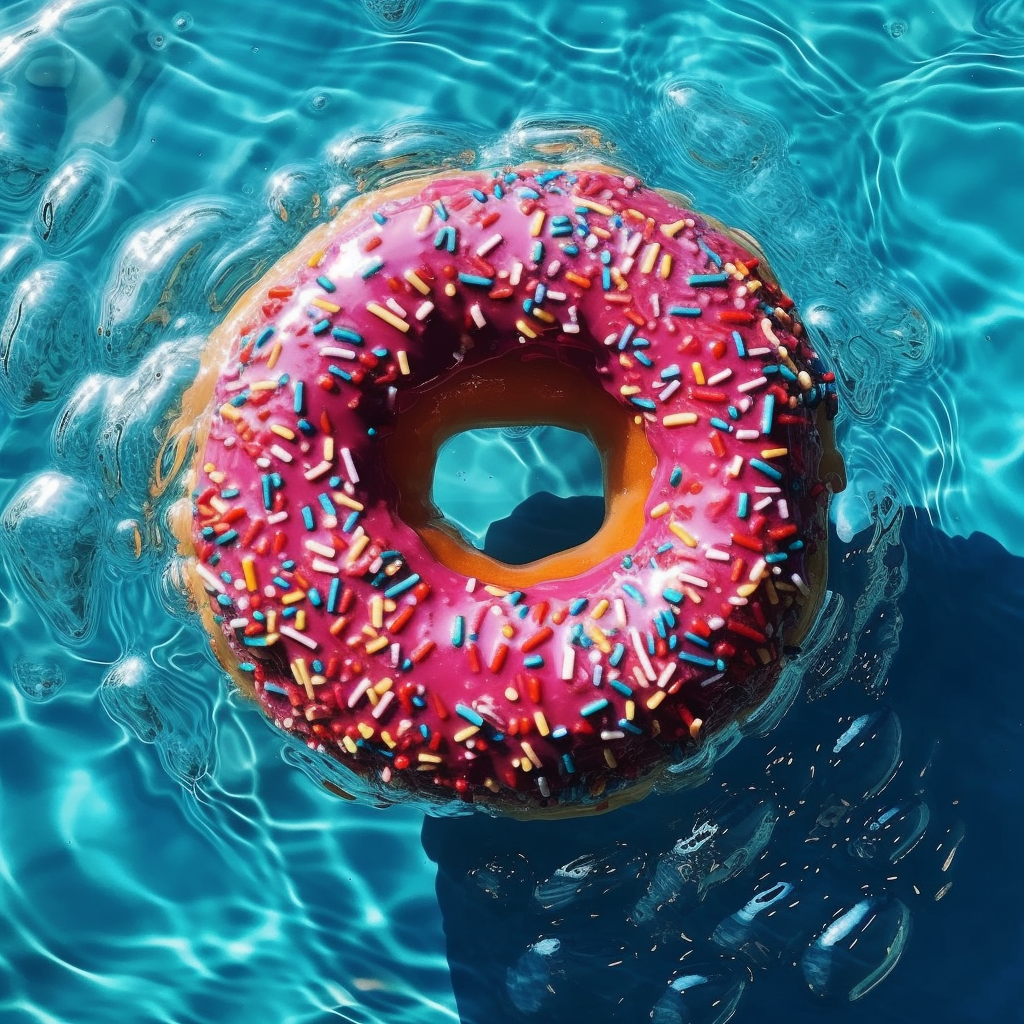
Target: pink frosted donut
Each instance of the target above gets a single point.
(361, 622)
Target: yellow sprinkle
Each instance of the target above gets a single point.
(496, 591)
(377, 645)
(300, 620)
(774, 453)
(343, 499)
(609, 758)
(428, 758)
(365, 730)
(747, 589)
(349, 744)
(659, 510)
(766, 329)
(590, 204)
(423, 220)
(655, 699)
(357, 548)
(328, 449)
(673, 229)
(417, 282)
(403, 361)
(630, 710)
(599, 638)
(229, 412)
(387, 316)
(773, 597)
(275, 354)
(508, 631)
(511, 694)
(541, 722)
(329, 307)
(739, 268)
(666, 267)
(294, 597)
(384, 685)
(377, 612)
(249, 572)
(272, 620)
(543, 314)
(301, 674)
(450, 290)
(650, 257)
(683, 534)
(537, 224)
(281, 431)
(315, 259)
(524, 328)
(389, 740)
(464, 734)
(805, 380)
(264, 385)
(629, 389)
(492, 785)
(600, 608)
(679, 419)
(530, 752)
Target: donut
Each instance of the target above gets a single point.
(359, 619)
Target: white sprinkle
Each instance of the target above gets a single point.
(470, 584)
(276, 449)
(757, 570)
(766, 327)
(425, 309)
(612, 734)
(382, 705)
(735, 466)
(656, 305)
(396, 308)
(751, 384)
(620, 613)
(670, 389)
(717, 556)
(212, 582)
(557, 296)
(759, 351)
(485, 247)
(517, 273)
(568, 662)
(554, 267)
(238, 623)
(611, 339)
(571, 328)
(695, 581)
(626, 266)
(738, 602)
(263, 462)
(477, 314)
(800, 585)
(350, 466)
(338, 353)
(666, 674)
(715, 622)
(359, 691)
(319, 565)
(783, 507)
(639, 677)
(277, 517)
(542, 785)
(294, 634)
(763, 503)
(317, 471)
(321, 549)
(747, 435)
(719, 377)
(592, 241)
(634, 243)
(765, 489)
(641, 653)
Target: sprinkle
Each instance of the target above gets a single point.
(277, 450)
(417, 282)
(568, 663)
(425, 309)
(683, 534)
(525, 328)
(485, 247)
(350, 466)
(590, 204)
(679, 419)
(659, 510)
(403, 362)
(763, 467)
(641, 653)
(403, 586)
(594, 706)
(469, 715)
(301, 638)
(689, 311)
(702, 280)
(387, 316)
(423, 220)
(768, 414)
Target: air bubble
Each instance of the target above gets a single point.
(183, 21)
(157, 40)
(896, 28)
(39, 681)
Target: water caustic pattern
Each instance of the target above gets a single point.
(155, 857)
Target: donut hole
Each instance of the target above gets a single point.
(520, 493)
(520, 390)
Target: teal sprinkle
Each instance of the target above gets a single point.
(534, 661)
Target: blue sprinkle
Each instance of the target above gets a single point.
(307, 517)
(594, 706)
(227, 538)
(721, 424)
(627, 562)
(290, 564)
(267, 501)
(527, 193)
(458, 631)
(620, 687)
(672, 595)
(350, 522)
(299, 397)
(534, 661)
(577, 605)
(643, 403)
(322, 326)
(314, 597)
(543, 179)
(559, 732)
(743, 505)
(768, 415)
(670, 371)
(685, 311)
(779, 556)
(264, 336)
(769, 471)
(379, 217)
(568, 762)
(400, 588)
(631, 591)
(274, 688)
(326, 283)
(372, 268)
(694, 659)
(677, 477)
(326, 504)
(479, 196)
(468, 714)
(617, 655)
(240, 400)
(741, 349)
(711, 255)
(337, 371)
(223, 600)
(282, 582)
(700, 280)
(606, 279)
(332, 596)
(230, 492)
(515, 597)
(630, 727)
(476, 280)
(347, 334)
(698, 640)
(442, 210)
(538, 252)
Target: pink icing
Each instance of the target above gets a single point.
(360, 642)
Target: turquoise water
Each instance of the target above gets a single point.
(163, 857)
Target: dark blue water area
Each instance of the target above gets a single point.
(955, 689)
